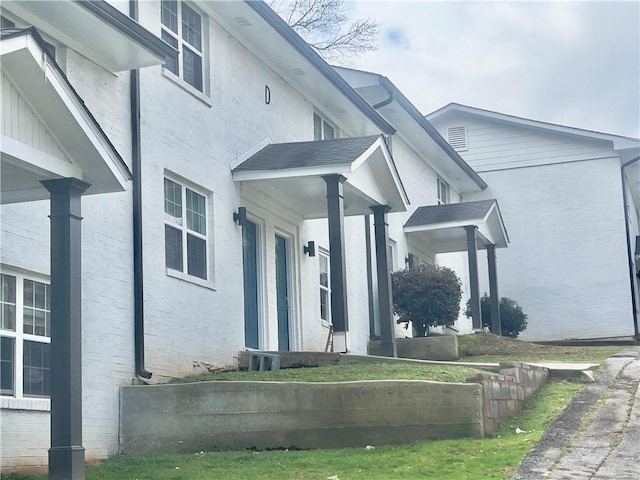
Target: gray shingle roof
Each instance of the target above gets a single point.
(281, 156)
(452, 212)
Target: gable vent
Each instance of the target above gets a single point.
(457, 137)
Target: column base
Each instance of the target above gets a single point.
(66, 463)
(388, 349)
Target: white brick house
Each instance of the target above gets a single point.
(202, 252)
(572, 262)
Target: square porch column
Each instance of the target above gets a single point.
(496, 326)
(66, 455)
(474, 285)
(385, 295)
(337, 266)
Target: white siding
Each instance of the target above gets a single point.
(496, 146)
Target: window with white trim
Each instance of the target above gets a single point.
(443, 192)
(322, 129)
(182, 29)
(325, 288)
(186, 236)
(25, 336)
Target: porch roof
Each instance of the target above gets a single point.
(441, 227)
(66, 140)
(297, 170)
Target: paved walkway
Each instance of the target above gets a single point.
(598, 435)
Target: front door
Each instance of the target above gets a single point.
(250, 274)
(282, 291)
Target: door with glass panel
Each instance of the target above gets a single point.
(250, 265)
(282, 291)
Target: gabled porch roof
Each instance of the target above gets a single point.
(442, 227)
(57, 137)
(297, 170)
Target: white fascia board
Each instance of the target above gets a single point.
(291, 173)
(243, 157)
(442, 226)
(32, 159)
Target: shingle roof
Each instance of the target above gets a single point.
(452, 212)
(282, 156)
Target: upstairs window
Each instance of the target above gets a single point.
(185, 230)
(457, 137)
(443, 192)
(25, 336)
(182, 29)
(322, 129)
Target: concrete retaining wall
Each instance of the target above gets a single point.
(506, 393)
(241, 415)
(443, 348)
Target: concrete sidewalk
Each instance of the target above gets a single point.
(598, 435)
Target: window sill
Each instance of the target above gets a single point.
(191, 279)
(188, 88)
(326, 324)
(34, 404)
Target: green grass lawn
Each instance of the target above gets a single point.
(472, 459)
(490, 348)
(346, 373)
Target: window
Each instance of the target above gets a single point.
(25, 336)
(322, 129)
(443, 192)
(182, 29)
(185, 229)
(325, 288)
(457, 138)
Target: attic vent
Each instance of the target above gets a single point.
(242, 21)
(457, 137)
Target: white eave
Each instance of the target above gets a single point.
(95, 29)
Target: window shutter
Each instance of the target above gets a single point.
(457, 137)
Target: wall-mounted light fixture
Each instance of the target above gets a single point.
(310, 248)
(240, 217)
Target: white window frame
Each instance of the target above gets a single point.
(322, 253)
(180, 44)
(392, 249)
(323, 123)
(444, 192)
(180, 224)
(18, 399)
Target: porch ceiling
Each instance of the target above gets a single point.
(49, 108)
(441, 227)
(297, 169)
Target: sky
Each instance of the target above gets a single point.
(572, 63)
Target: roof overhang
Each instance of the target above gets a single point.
(96, 30)
(371, 178)
(441, 228)
(264, 33)
(88, 153)
(414, 128)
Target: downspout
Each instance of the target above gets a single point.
(632, 281)
(136, 160)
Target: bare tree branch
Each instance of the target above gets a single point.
(325, 26)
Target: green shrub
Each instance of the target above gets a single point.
(512, 319)
(427, 296)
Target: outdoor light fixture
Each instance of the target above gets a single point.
(240, 217)
(410, 260)
(310, 248)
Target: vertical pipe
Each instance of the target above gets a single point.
(136, 160)
(66, 455)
